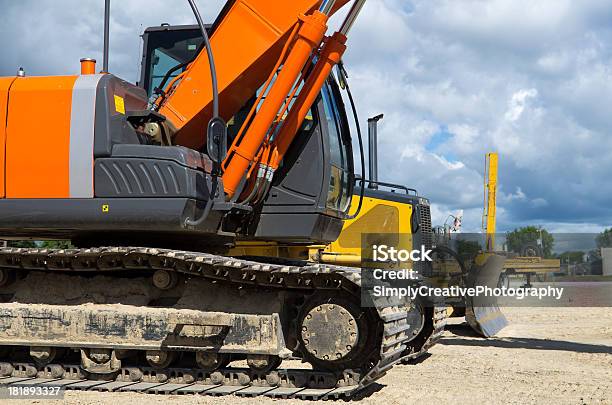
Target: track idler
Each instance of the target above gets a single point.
(335, 333)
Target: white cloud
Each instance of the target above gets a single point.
(517, 195)
(452, 166)
(518, 103)
(554, 63)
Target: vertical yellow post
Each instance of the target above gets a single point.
(491, 193)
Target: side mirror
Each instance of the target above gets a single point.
(216, 140)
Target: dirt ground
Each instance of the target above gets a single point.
(546, 355)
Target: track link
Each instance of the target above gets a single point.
(296, 383)
(429, 336)
(304, 384)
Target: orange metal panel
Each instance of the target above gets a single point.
(246, 45)
(38, 137)
(5, 84)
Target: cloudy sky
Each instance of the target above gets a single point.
(531, 80)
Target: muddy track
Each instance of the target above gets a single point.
(297, 383)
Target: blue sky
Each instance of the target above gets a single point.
(455, 78)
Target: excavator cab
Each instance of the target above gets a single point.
(313, 187)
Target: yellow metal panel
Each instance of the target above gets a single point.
(382, 219)
(378, 218)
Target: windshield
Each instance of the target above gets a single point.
(166, 49)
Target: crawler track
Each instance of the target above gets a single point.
(429, 336)
(303, 384)
(298, 383)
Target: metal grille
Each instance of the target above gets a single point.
(425, 225)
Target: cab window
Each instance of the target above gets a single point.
(165, 50)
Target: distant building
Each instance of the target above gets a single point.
(606, 257)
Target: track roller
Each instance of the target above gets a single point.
(100, 361)
(6, 369)
(160, 359)
(211, 361)
(165, 280)
(262, 363)
(43, 355)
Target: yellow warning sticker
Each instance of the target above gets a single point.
(119, 105)
(105, 208)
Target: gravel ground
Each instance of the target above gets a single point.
(546, 355)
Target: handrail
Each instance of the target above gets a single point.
(408, 190)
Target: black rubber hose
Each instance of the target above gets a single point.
(211, 60)
(207, 207)
(361, 154)
(215, 89)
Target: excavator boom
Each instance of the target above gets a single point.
(247, 40)
(254, 41)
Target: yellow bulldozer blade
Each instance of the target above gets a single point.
(482, 312)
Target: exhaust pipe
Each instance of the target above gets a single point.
(106, 36)
(373, 150)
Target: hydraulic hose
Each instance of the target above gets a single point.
(207, 207)
(342, 72)
(211, 60)
(215, 90)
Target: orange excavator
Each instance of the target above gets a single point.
(246, 139)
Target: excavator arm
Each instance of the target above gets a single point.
(257, 43)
